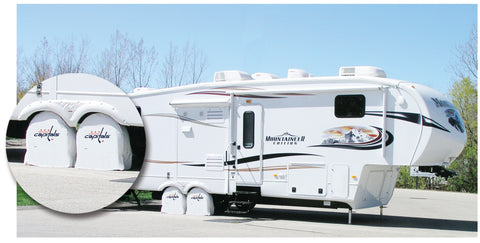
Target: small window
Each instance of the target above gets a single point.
(248, 129)
(349, 106)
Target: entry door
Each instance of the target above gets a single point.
(248, 163)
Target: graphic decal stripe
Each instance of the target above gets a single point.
(431, 123)
(257, 158)
(410, 117)
(267, 156)
(272, 168)
(405, 116)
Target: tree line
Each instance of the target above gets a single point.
(126, 62)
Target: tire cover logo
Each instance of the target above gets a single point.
(50, 134)
(98, 135)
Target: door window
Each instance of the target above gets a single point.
(248, 129)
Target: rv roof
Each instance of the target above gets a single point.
(332, 81)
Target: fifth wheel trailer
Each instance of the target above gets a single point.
(243, 139)
(333, 142)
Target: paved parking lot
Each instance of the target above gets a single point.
(72, 190)
(411, 213)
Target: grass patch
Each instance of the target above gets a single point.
(142, 195)
(23, 199)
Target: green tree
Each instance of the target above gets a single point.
(404, 180)
(464, 97)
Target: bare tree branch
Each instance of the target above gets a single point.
(187, 66)
(70, 58)
(113, 62)
(466, 63)
(198, 64)
(143, 62)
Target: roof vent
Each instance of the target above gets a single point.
(366, 71)
(264, 76)
(231, 75)
(297, 73)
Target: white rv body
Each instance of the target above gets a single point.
(299, 150)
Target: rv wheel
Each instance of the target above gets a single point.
(199, 202)
(245, 206)
(173, 201)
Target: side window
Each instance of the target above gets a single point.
(349, 106)
(248, 129)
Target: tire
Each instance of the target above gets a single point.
(199, 202)
(173, 201)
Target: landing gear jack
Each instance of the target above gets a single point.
(350, 216)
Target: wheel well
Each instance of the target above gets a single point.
(18, 128)
(86, 115)
(157, 195)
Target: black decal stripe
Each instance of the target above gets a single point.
(405, 116)
(431, 123)
(257, 158)
(410, 117)
(267, 156)
(196, 165)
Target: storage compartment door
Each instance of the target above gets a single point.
(339, 178)
(307, 179)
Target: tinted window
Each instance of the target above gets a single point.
(349, 106)
(248, 129)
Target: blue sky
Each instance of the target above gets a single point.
(410, 42)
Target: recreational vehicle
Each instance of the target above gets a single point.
(335, 142)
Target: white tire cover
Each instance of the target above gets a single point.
(173, 201)
(49, 142)
(199, 202)
(102, 144)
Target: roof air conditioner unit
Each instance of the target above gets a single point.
(365, 71)
(231, 75)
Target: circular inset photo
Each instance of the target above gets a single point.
(75, 143)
